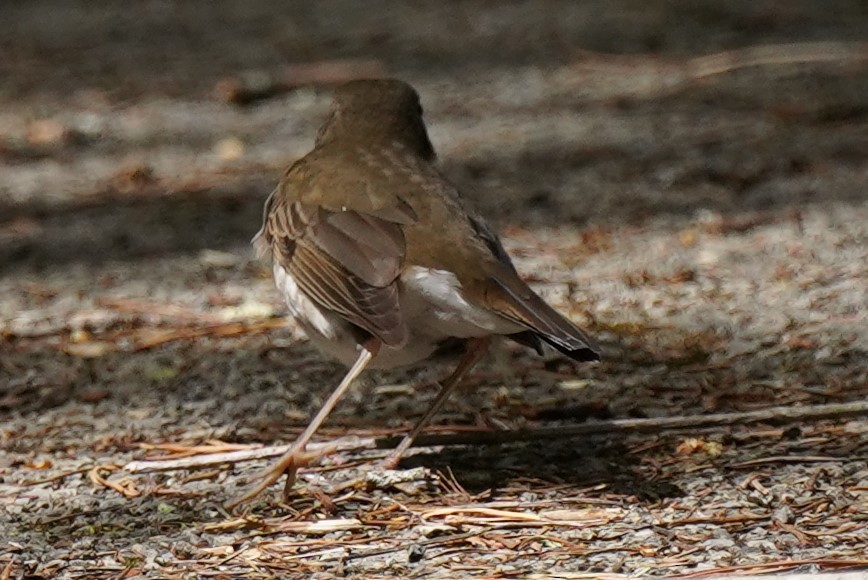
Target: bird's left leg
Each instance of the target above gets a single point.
(295, 457)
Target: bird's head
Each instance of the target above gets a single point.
(377, 111)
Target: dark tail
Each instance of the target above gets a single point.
(543, 321)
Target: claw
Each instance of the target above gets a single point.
(296, 457)
(288, 464)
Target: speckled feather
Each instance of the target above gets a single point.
(368, 239)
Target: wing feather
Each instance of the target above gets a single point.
(346, 261)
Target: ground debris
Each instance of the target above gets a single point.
(703, 215)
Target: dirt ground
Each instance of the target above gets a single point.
(706, 220)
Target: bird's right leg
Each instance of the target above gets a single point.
(475, 351)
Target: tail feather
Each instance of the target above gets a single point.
(531, 311)
(509, 295)
(581, 354)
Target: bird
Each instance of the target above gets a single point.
(381, 261)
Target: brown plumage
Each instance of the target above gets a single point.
(379, 259)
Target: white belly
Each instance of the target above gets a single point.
(433, 308)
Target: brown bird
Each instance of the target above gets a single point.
(380, 261)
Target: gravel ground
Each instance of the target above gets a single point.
(710, 229)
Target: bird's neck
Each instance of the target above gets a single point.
(369, 132)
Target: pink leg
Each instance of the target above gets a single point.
(295, 457)
(475, 351)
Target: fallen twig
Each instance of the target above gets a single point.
(57, 476)
(425, 543)
(680, 73)
(253, 86)
(591, 428)
(123, 486)
(147, 338)
(731, 60)
(594, 428)
(777, 566)
(294, 527)
(777, 54)
(177, 450)
(153, 308)
(251, 454)
(146, 341)
(789, 459)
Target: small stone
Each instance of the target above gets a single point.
(387, 478)
(415, 553)
(783, 515)
(229, 149)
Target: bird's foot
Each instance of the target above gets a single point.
(288, 464)
(390, 463)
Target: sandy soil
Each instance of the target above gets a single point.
(710, 229)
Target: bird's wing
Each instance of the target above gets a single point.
(345, 260)
(510, 296)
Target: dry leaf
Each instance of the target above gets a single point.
(693, 445)
(90, 349)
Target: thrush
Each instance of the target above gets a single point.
(381, 262)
